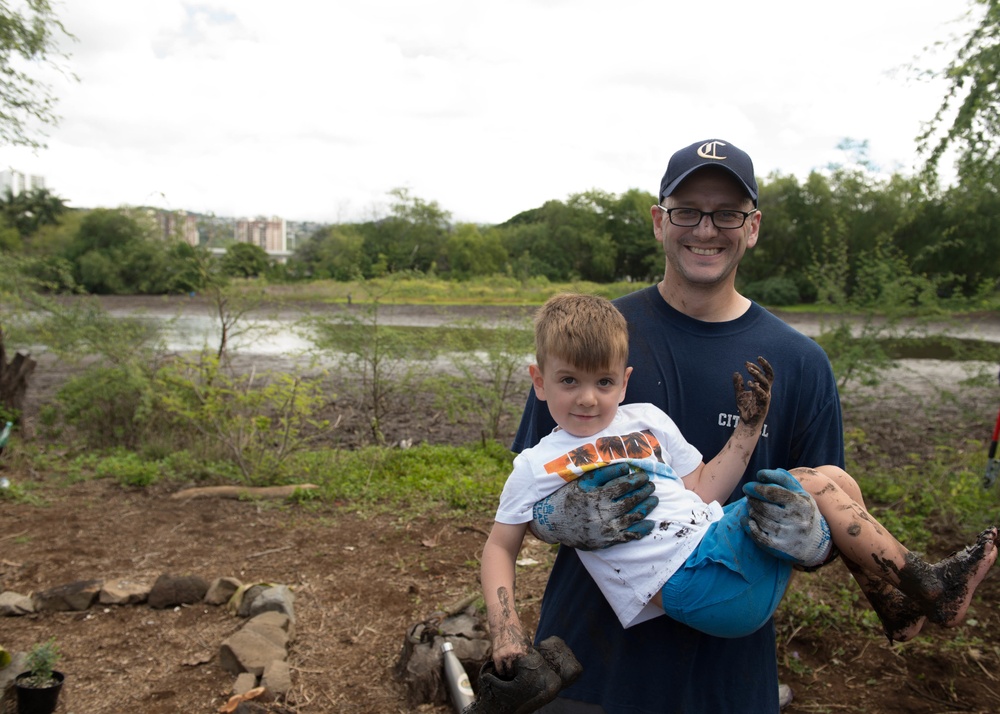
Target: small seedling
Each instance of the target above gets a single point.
(41, 663)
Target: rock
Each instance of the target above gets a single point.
(419, 666)
(272, 633)
(221, 590)
(277, 679)
(247, 598)
(245, 681)
(13, 604)
(249, 651)
(172, 590)
(124, 592)
(278, 598)
(278, 619)
(73, 596)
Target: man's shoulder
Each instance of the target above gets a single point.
(764, 318)
(640, 299)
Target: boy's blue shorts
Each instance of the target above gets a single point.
(728, 587)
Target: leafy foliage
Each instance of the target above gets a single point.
(41, 663)
(108, 406)
(968, 118)
(245, 260)
(28, 36)
(488, 377)
(257, 422)
(28, 211)
(385, 361)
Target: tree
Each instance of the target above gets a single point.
(245, 260)
(412, 237)
(30, 210)
(336, 252)
(27, 36)
(565, 241)
(471, 252)
(122, 252)
(971, 104)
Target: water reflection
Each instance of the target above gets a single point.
(188, 333)
(183, 333)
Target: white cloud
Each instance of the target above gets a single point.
(315, 110)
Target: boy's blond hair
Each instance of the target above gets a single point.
(585, 330)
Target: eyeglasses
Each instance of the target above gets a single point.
(690, 217)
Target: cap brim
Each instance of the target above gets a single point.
(680, 179)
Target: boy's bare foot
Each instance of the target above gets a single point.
(902, 617)
(960, 575)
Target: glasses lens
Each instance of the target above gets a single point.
(689, 217)
(728, 219)
(685, 216)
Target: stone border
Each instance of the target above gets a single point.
(257, 653)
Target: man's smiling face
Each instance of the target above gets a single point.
(704, 254)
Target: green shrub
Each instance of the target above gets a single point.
(780, 291)
(107, 406)
(255, 421)
(128, 469)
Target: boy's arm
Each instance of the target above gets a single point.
(499, 557)
(715, 480)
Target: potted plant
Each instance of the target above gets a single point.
(38, 687)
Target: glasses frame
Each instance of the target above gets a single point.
(710, 214)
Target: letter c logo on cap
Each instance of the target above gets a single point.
(710, 150)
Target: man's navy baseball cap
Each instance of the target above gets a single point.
(713, 152)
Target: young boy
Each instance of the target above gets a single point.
(699, 565)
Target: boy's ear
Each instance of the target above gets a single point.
(537, 381)
(628, 372)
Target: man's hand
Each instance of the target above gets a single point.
(533, 681)
(785, 521)
(754, 400)
(601, 508)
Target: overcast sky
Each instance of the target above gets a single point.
(315, 110)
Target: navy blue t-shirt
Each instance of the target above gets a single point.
(685, 367)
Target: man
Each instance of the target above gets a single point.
(688, 335)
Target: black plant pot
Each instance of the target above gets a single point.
(38, 700)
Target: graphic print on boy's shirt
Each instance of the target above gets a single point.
(586, 457)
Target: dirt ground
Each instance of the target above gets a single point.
(361, 579)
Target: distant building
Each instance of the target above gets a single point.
(17, 182)
(268, 233)
(179, 224)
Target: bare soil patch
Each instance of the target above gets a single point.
(360, 579)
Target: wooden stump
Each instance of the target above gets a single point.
(14, 379)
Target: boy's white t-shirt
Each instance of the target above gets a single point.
(629, 574)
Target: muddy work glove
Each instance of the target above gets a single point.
(536, 680)
(603, 507)
(785, 521)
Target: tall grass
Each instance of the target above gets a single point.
(496, 290)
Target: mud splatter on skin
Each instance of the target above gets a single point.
(899, 614)
(508, 631)
(940, 590)
(856, 529)
(753, 398)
